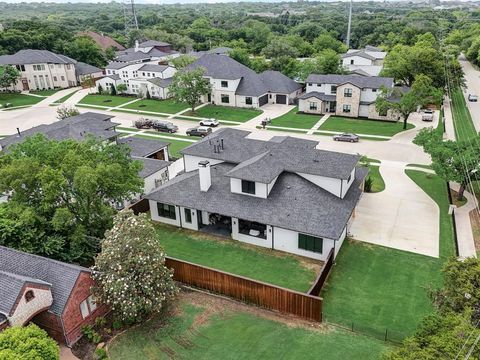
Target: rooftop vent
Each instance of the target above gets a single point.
(218, 145)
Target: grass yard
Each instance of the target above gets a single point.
(225, 113)
(297, 121)
(65, 98)
(44, 92)
(168, 106)
(105, 100)
(232, 256)
(198, 332)
(378, 183)
(462, 120)
(363, 126)
(379, 288)
(18, 99)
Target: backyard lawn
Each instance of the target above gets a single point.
(168, 106)
(18, 99)
(363, 126)
(462, 120)
(232, 256)
(378, 288)
(196, 332)
(225, 113)
(297, 121)
(105, 100)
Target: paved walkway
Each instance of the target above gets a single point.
(447, 113)
(66, 353)
(318, 124)
(55, 97)
(79, 95)
(402, 216)
(125, 104)
(270, 111)
(466, 243)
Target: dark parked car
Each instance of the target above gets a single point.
(164, 126)
(346, 137)
(199, 131)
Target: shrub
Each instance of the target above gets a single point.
(368, 184)
(90, 333)
(100, 354)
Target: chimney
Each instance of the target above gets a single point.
(136, 45)
(205, 175)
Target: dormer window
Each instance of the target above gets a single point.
(333, 89)
(29, 296)
(224, 84)
(248, 187)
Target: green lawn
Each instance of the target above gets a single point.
(378, 183)
(193, 333)
(18, 99)
(363, 126)
(105, 100)
(225, 113)
(44, 92)
(462, 120)
(168, 106)
(232, 256)
(297, 121)
(65, 98)
(378, 288)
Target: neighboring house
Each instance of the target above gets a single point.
(102, 40)
(218, 51)
(152, 153)
(52, 294)
(139, 78)
(280, 194)
(85, 71)
(146, 51)
(41, 69)
(345, 95)
(234, 84)
(368, 61)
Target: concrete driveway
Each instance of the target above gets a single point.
(402, 216)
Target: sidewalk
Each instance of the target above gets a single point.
(466, 243)
(318, 124)
(447, 113)
(55, 97)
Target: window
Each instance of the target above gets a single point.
(54, 78)
(88, 306)
(347, 108)
(310, 243)
(349, 178)
(347, 92)
(225, 98)
(313, 106)
(248, 187)
(38, 67)
(310, 84)
(29, 296)
(352, 62)
(374, 90)
(333, 89)
(91, 303)
(143, 74)
(188, 216)
(248, 100)
(224, 84)
(84, 309)
(20, 67)
(63, 78)
(68, 66)
(167, 211)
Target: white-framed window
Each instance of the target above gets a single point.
(68, 66)
(91, 303)
(54, 78)
(374, 90)
(88, 306)
(347, 92)
(313, 105)
(248, 100)
(224, 84)
(63, 78)
(333, 89)
(347, 108)
(225, 98)
(84, 309)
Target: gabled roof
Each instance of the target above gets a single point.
(359, 53)
(11, 286)
(142, 147)
(163, 83)
(113, 76)
(150, 166)
(82, 68)
(154, 68)
(61, 276)
(103, 41)
(116, 65)
(373, 82)
(221, 67)
(149, 43)
(135, 56)
(276, 82)
(317, 95)
(29, 56)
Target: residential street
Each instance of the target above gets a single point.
(472, 77)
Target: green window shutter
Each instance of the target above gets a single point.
(301, 241)
(318, 245)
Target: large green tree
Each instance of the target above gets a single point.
(189, 86)
(327, 41)
(130, 271)
(8, 76)
(84, 49)
(64, 193)
(326, 62)
(27, 343)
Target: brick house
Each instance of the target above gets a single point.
(54, 295)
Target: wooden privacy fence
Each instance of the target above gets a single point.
(247, 290)
(323, 275)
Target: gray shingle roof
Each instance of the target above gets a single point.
(278, 156)
(318, 95)
(113, 76)
(150, 166)
(359, 53)
(10, 287)
(373, 82)
(82, 68)
(116, 65)
(61, 276)
(142, 147)
(153, 67)
(294, 203)
(29, 56)
(149, 43)
(276, 82)
(163, 83)
(75, 128)
(135, 56)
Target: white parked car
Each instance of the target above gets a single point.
(209, 122)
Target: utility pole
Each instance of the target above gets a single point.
(349, 24)
(130, 16)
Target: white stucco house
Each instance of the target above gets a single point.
(280, 194)
(345, 95)
(367, 61)
(234, 84)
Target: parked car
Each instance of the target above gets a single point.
(346, 137)
(472, 98)
(143, 123)
(199, 131)
(164, 126)
(427, 115)
(209, 122)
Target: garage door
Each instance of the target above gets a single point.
(281, 99)
(262, 100)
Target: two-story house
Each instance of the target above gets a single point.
(345, 95)
(367, 61)
(234, 84)
(280, 194)
(146, 51)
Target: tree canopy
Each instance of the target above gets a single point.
(189, 86)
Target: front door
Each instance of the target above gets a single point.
(25, 84)
(333, 106)
(209, 98)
